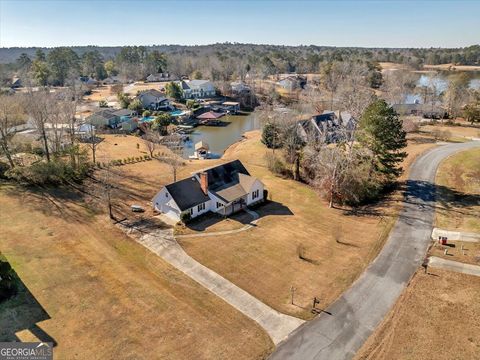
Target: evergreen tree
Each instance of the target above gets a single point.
(381, 132)
(271, 136)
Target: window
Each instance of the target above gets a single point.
(219, 204)
(255, 194)
(166, 195)
(191, 211)
(201, 207)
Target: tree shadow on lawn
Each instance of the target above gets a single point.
(423, 194)
(22, 312)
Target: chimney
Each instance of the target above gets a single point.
(204, 182)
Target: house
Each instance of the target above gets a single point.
(16, 83)
(426, 110)
(111, 80)
(153, 100)
(239, 87)
(223, 189)
(87, 80)
(109, 117)
(103, 118)
(293, 82)
(329, 127)
(159, 77)
(192, 89)
(128, 124)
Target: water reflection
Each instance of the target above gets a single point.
(220, 138)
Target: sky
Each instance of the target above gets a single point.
(381, 23)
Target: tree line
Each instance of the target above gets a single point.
(216, 62)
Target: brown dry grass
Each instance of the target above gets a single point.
(264, 260)
(132, 89)
(455, 253)
(460, 133)
(101, 92)
(95, 289)
(437, 317)
(458, 194)
(452, 67)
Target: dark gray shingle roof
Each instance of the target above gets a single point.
(187, 193)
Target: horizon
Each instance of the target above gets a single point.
(360, 24)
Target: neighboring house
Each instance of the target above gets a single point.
(239, 87)
(329, 127)
(103, 118)
(16, 83)
(159, 77)
(223, 189)
(153, 100)
(111, 80)
(85, 131)
(88, 80)
(129, 124)
(293, 82)
(109, 117)
(426, 110)
(192, 89)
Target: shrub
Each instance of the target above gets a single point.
(3, 168)
(8, 286)
(102, 104)
(146, 113)
(185, 217)
(275, 164)
(442, 135)
(409, 126)
(55, 172)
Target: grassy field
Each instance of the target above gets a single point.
(458, 192)
(458, 133)
(97, 294)
(264, 260)
(437, 317)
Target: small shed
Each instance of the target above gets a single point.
(201, 150)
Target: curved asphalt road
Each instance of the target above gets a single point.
(356, 314)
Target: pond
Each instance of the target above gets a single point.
(219, 138)
(441, 80)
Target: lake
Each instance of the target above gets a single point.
(219, 138)
(441, 81)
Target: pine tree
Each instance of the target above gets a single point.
(381, 132)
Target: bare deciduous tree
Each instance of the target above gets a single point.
(39, 105)
(151, 140)
(11, 114)
(174, 157)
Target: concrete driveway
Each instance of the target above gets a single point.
(356, 314)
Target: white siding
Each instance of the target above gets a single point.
(213, 203)
(257, 185)
(196, 212)
(164, 203)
